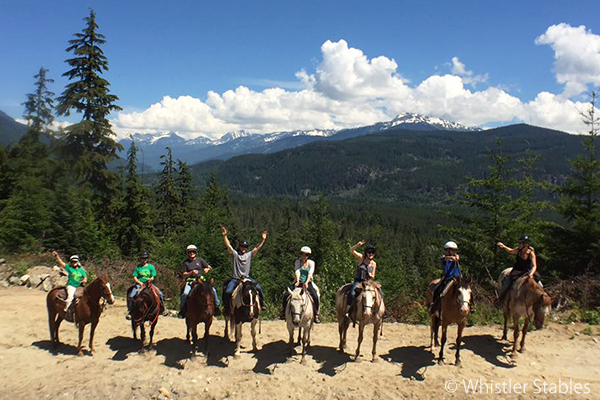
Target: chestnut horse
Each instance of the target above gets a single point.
(145, 306)
(455, 306)
(369, 310)
(200, 308)
(87, 309)
(245, 307)
(525, 298)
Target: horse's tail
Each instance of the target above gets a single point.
(259, 324)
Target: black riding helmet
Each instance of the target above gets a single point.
(145, 254)
(244, 243)
(525, 239)
(370, 249)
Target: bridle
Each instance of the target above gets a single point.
(302, 309)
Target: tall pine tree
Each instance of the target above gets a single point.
(89, 144)
(167, 196)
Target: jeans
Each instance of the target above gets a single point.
(231, 287)
(188, 289)
(352, 293)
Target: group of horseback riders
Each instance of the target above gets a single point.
(195, 268)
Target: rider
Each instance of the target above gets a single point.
(451, 270)
(365, 271)
(142, 274)
(525, 264)
(193, 268)
(241, 268)
(76, 273)
(304, 270)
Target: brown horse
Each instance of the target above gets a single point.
(87, 309)
(454, 309)
(369, 310)
(145, 306)
(245, 307)
(525, 298)
(200, 308)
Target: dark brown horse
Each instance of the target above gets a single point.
(454, 309)
(245, 307)
(87, 309)
(200, 308)
(145, 306)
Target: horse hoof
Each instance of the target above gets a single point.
(236, 356)
(303, 361)
(457, 363)
(504, 338)
(80, 354)
(441, 362)
(521, 350)
(375, 360)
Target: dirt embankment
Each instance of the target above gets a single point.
(555, 356)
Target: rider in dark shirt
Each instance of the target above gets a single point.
(525, 264)
(450, 263)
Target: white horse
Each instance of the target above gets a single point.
(369, 310)
(299, 314)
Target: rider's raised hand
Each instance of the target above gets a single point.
(264, 235)
(224, 231)
(54, 253)
(362, 242)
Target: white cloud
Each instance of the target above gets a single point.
(576, 55)
(348, 89)
(460, 69)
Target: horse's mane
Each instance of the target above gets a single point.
(202, 287)
(371, 284)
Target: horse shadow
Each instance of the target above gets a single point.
(64, 349)
(488, 347)
(219, 349)
(330, 358)
(123, 345)
(175, 350)
(271, 354)
(412, 358)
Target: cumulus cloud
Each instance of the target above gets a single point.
(460, 69)
(576, 56)
(349, 89)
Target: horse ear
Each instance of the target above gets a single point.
(212, 281)
(289, 290)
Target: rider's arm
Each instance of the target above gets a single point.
(84, 280)
(353, 249)
(151, 279)
(297, 271)
(257, 248)
(533, 263)
(58, 259)
(508, 249)
(374, 270)
(135, 278)
(311, 271)
(226, 240)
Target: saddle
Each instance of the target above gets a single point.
(62, 296)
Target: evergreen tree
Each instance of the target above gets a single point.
(5, 177)
(168, 196)
(185, 187)
(580, 199)
(40, 104)
(89, 143)
(137, 229)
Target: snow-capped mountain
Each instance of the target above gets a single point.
(243, 142)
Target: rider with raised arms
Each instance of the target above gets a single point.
(366, 269)
(525, 264)
(76, 276)
(241, 260)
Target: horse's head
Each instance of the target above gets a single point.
(297, 304)
(541, 308)
(250, 298)
(105, 289)
(464, 296)
(370, 297)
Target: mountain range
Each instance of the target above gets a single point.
(242, 142)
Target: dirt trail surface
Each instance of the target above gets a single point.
(31, 370)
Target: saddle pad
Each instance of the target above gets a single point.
(62, 292)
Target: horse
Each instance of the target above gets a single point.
(87, 309)
(200, 308)
(525, 297)
(145, 306)
(299, 314)
(454, 309)
(369, 310)
(244, 307)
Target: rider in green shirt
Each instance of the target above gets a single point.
(76, 276)
(144, 273)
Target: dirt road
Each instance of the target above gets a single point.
(555, 357)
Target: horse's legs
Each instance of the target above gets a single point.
(461, 326)
(444, 336)
(81, 328)
(57, 323)
(187, 329)
(133, 328)
(150, 345)
(376, 326)
(343, 326)
(525, 329)
(142, 336)
(238, 339)
(253, 330)
(299, 334)
(305, 343)
(516, 334)
(92, 330)
(226, 332)
(361, 329)
(207, 325)
(193, 328)
(51, 324)
(290, 328)
(505, 331)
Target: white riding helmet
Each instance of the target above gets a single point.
(306, 250)
(451, 245)
(191, 247)
(74, 257)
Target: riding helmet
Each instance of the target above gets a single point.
(191, 247)
(451, 245)
(245, 244)
(74, 257)
(305, 250)
(525, 239)
(144, 254)
(370, 249)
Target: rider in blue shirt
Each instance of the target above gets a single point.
(451, 270)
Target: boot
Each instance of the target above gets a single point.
(317, 318)
(217, 311)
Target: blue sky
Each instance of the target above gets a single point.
(206, 67)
